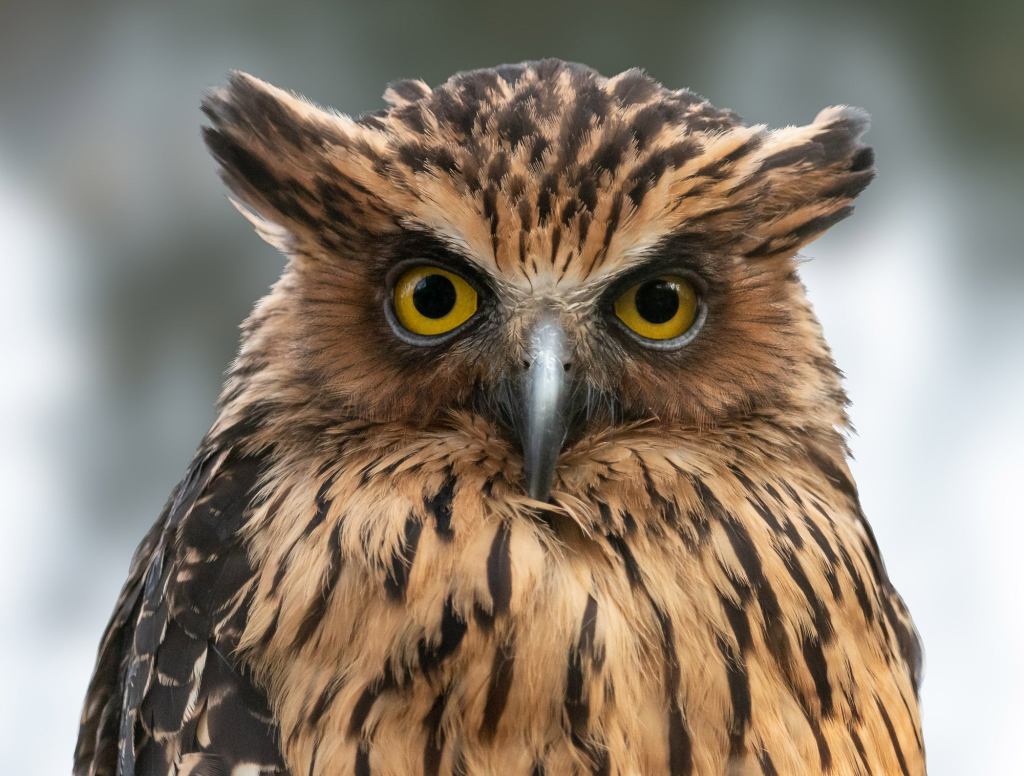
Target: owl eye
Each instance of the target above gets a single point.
(660, 310)
(429, 301)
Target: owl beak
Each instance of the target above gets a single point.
(542, 391)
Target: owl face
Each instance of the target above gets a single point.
(556, 252)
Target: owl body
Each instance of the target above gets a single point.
(374, 566)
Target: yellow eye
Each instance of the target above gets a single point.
(429, 301)
(661, 308)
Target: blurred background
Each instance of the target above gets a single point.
(126, 273)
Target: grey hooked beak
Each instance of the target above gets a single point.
(542, 393)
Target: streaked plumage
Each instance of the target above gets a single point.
(352, 577)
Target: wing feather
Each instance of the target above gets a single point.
(167, 695)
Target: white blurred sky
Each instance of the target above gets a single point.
(933, 357)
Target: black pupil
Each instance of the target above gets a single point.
(434, 296)
(657, 301)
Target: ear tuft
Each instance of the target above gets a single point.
(809, 177)
(286, 160)
(259, 134)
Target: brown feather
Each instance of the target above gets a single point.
(351, 578)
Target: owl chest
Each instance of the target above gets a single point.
(452, 636)
(437, 625)
(417, 631)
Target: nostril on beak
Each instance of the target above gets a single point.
(566, 365)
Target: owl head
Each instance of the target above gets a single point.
(553, 252)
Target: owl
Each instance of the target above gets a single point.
(532, 462)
